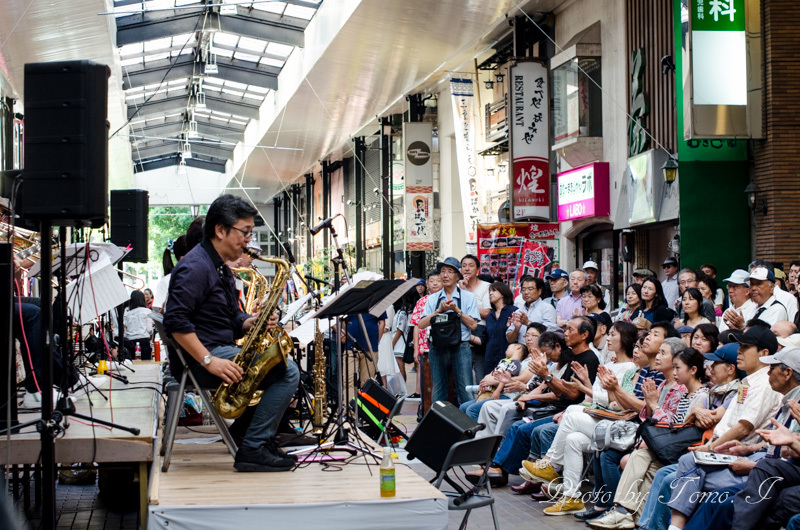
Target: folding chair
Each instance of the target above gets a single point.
(386, 424)
(477, 451)
(175, 391)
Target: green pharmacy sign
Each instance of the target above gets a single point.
(718, 15)
(719, 66)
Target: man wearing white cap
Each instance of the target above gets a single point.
(591, 270)
(742, 308)
(784, 297)
(762, 286)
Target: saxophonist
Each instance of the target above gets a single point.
(203, 316)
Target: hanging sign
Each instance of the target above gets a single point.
(418, 166)
(530, 140)
(462, 91)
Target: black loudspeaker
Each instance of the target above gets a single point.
(129, 209)
(65, 174)
(6, 309)
(375, 403)
(442, 426)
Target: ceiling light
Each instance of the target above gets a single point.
(182, 167)
(186, 151)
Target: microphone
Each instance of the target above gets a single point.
(472, 431)
(325, 223)
(288, 252)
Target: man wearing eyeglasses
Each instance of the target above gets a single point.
(670, 282)
(532, 309)
(204, 318)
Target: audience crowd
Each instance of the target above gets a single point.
(583, 395)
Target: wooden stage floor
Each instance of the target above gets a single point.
(202, 490)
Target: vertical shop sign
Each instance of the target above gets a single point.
(418, 169)
(462, 91)
(530, 140)
(534, 260)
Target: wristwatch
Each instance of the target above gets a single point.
(458, 314)
(207, 360)
(548, 378)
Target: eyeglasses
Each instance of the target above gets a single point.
(528, 289)
(687, 282)
(246, 234)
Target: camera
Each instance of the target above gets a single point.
(473, 388)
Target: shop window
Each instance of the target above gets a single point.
(577, 99)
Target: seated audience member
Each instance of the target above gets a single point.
(633, 303)
(704, 338)
(783, 328)
(742, 308)
(755, 404)
(692, 302)
(492, 387)
(636, 479)
(532, 308)
(762, 291)
(654, 305)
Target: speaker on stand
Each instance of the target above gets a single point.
(129, 225)
(65, 173)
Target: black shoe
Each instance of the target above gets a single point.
(272, 447)
(413, 396)
(260, 460)
(294, 439)
(589, 514)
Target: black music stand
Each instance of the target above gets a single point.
(372, 297)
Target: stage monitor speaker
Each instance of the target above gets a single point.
(65, 173)
(375, 403)
(129, 209)
(443, 426)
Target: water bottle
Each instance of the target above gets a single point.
(138, 353)
(387, 474)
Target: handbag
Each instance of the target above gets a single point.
(605, 414)
(446, 327)
(668, 441)
(619, 435)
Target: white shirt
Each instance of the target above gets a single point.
(600, 394)
(481, 292)
(788, 300)
(670, 286)
(773, 312)
(137, 323)
(756, 403)
(538, 311)
(747, 310)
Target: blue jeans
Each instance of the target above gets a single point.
(606, 475)
(279, 386)
(457, 360)
(716, 512)
(542, 438)
(794, 523)
(472, 408)
(516, 445)
(656, 514)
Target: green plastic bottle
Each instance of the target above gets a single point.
(387, 474)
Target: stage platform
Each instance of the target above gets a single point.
(202, 490)
(136, 404)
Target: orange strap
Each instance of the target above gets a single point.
(374, 402)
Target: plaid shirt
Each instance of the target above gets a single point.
(416, 315)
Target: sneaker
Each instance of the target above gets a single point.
(260, 460)
(32, 400)
(566, 506)
(539, 471)
(413, 396)
(613, 519)
(591, 513)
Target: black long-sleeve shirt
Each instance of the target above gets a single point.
(203, 299)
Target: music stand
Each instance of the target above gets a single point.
(372, 297)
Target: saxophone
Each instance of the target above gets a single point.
(257, 287)
(261, 352)
(320, 399)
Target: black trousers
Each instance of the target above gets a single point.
(770, 497)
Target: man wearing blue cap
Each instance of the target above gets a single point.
(559, 280)
(452, 357)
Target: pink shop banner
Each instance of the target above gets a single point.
(583, 192)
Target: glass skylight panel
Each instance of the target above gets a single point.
(299, 12)
(281, 50)
(213, 81)
(257, 97)
(257, 89)
(269, 61)
(131, 49)
(222, 52)
(232, 92)
(246, 57)
(156, 57)
(237, 122)
(130, 62)
(271, 7)
(234, 84)
(181, 81)
(255, 45)
(225, 38)
(157, 44)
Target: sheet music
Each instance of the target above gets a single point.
(305, 332)
(90, 297)
(76, 256)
